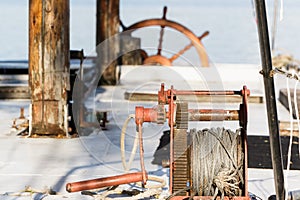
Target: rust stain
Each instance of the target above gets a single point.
(48, 64)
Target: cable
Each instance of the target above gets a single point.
(291, 137)
(216, 163)
(297, 112)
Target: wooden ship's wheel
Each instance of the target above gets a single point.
(158, 58)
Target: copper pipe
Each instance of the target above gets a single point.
(105, 182)
(213, 115)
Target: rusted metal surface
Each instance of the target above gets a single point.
(105, 182)
(141, 145)
(212, 115)
(171, 114)
(182, 115)
(181, 165)
(144, 115)
(174, 25)
(48, 65)
(204, 92)
(145, 96)
(243, 119)
(156, 115)
(169, 97)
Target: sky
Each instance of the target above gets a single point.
(231, 23)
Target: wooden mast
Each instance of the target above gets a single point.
(108, 24)
(49, 66)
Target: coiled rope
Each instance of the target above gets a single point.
(217, 162)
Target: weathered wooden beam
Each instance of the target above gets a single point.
(49, 65)
(107, 25)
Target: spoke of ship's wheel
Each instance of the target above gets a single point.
(187, 47)
(162, 30)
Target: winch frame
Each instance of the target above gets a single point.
(159, 115)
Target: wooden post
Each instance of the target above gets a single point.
(49, 66)
(108, 24)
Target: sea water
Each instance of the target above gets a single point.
(233, 34)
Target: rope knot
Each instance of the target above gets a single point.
(227, 181)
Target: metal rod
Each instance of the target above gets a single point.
(171, 124)
(213, 115)
(105, 182)
(144, 174)
(195, 92)
(243, 118)
(270, 98)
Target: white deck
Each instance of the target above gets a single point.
(51, 163)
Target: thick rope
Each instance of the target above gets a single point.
(152, 190)
(126, 166)
(215, 153)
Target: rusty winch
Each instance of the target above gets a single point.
(184, 163)
(181, 155)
